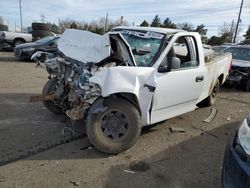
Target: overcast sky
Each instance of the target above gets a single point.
(212, 13)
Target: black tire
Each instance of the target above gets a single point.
(49, 87)
(247, 85)
(4, 27)
(41, 26)
(17, 42)
(120, 114)
(210, 100)
(40, 33)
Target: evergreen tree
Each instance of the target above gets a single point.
(144, 24)
(156, 22)
(168, 24)
(247, 35)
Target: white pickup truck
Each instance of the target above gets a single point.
(129, 78)
(13, 39)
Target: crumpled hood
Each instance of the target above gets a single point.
(241, 63)
(86, 46)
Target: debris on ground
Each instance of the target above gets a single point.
(171, 148)
(229, 118)
(139, 166)
(212, 115)
(176, 129)
(75, 183)
(89, 147)
(202, 172)
(129, 171)
(41, 164)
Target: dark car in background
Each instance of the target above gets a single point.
(236, 165)
(47, 44)
(240, 70)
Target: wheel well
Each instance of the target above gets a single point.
(221, 78)
(18, 39)
(132, 98)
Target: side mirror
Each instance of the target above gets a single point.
(164, 68)
(175, 63)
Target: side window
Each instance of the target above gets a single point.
(183, 53)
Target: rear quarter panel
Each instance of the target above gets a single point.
(218, 66)
(10, 36)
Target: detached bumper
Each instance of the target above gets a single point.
(236, 167)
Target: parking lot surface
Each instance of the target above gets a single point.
(34, 153)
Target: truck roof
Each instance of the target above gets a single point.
(153, 29)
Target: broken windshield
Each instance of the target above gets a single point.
(145, 45)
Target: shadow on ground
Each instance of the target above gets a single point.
(196, 162)
(29, 128)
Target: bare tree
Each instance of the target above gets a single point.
(186, 26)
(96, 26)
(227, 30)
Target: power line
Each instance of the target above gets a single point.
(21, 18)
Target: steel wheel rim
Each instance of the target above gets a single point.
(114, 125)
(18, 43)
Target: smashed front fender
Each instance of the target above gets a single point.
(136, 80)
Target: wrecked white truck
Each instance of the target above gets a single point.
(129, 78)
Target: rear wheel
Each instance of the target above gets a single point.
(247, 85)
(17, 42)
(50, 88)
(210, 100)
(116, 129)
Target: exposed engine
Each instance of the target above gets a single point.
(74, 92)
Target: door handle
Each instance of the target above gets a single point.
(199, 78)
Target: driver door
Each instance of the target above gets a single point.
(178, 89)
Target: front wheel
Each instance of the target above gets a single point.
(116, 129)
(50, 88)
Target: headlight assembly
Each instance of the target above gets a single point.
(244, 135)
(28, 49)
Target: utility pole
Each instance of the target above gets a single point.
(232, 31)
(21, 18)
(237, 26)
(106, 23)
